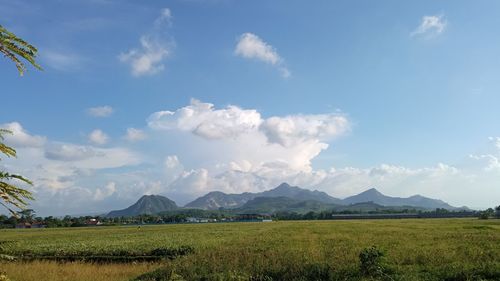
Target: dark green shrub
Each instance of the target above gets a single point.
(371, 262)
(161, 274)
(172, 252)
(317, 272)
(306, 272)
(484, 216)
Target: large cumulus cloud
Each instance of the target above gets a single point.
(200, 148)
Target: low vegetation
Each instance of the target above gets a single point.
(420, 249)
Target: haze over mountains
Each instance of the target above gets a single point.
(282, 198)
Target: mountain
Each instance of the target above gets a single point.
(147, 204)
(365, 207)
(283, 198)
(294, 192)
(373, 195)
(281, 203)
(267, 204)
(217, 199)
(285, 204)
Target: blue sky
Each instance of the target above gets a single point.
(344, 95)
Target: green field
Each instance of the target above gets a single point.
(420, 249)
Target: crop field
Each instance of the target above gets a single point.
(413, 249)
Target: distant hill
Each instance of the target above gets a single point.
(283, 198)
(298, 193)
(281, 204)
(373, 195)
(284, 204)
(364, 207)
(147, 204)
(217, 199)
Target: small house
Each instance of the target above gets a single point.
(92, 222)
(23, 225)
(38, 225)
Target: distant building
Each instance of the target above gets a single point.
(23, 225)
(254, 217)
(93, 222)
(199, 220)
(30, 225)
(38, 225)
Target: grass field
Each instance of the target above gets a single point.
(420, 249)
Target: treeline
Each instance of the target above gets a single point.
(180, 216)
(187, 215)
(327, 215)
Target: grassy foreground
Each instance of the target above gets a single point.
(421, 249)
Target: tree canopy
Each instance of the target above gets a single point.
(16, 49)
(11, 195)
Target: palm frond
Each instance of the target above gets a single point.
(14, 47)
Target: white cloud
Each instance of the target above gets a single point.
(98, 137)
(66, 172)
(69, 152)
(172, 162)
(134, 135)
(150, 58)
(60, 60)
(205, 121)
(495, 141)
(20, 137)
(245, 153)
(241, 137)
(259, 153)
(191, 182)
(441, 181)
(430, 26)
(251, 46)
(100, 111)
(289, 130)
(165, 17)
(108, 190)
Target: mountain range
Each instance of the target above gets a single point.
(282, 198)
(216, 199)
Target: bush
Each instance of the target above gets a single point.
(371, 262)
(317, 271)
(172, 253)
(3, 277)
(484, 216)
(161, 274)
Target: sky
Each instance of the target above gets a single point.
(184, 97)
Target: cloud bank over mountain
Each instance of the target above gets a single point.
(199, 148)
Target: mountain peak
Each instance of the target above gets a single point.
(147, 204)
(214, 200)
(283, 185)
(372, 190)
(375, 196)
